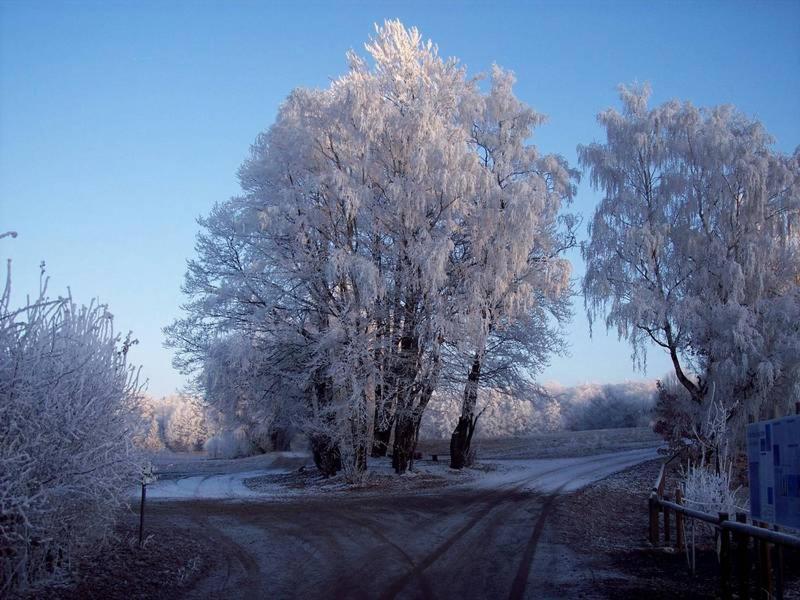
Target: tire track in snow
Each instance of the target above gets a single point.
(521, 578)
(231, 553)
(343, 586)
(496, 498)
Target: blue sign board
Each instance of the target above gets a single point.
(773, 456)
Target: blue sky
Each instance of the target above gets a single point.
(121, 122)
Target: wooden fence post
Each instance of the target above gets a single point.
(779, 579)
(653, 504)
(742, 564)
(679, 541)
(724, 557)
(761, 581)
(765, 583)
(666, 522)
(778, 571)
(768, 568)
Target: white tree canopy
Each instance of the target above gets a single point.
(695, 247)
(398, 211)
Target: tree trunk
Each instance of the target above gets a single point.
(461, 440)
(380, 440)
(360, 431)
(326, 453)
(327, 456)
(404, 442)
(460, 443)
(405, 367)
(281, 439)
(384, 419)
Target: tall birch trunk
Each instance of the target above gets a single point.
(461, 440)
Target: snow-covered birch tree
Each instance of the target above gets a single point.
(694, 248)
(510, 278)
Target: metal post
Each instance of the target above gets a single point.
(742, 565)
(724, 558)
(141, 513)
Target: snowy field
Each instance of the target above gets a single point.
(555, 444)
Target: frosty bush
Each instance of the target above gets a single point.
(68, 415)
(229, 444)
(606, 406)
(502, 415)
(149, 438)
(707, 482)
(710, 491)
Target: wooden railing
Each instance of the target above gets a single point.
(736, 554)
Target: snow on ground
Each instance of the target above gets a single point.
(195, 487)
(183, 476)
(280, 477)
(560, 474)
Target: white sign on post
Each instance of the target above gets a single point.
(773, 456)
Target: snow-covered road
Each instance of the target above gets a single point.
(542, 475)
(561, 474)
(220, 487)
(485, 538)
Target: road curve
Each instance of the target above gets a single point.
(486, 540)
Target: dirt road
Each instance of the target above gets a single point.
(490, 540)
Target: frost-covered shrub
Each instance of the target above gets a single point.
(230, 444)
(676, 415)
(68, 415)
(607, 406)
(707, 483)
(711, 491)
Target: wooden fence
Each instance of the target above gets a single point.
(742, 547)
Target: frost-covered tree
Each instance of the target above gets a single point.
(150, 437)
(246, 391)
(694, 247)
(339, 266)
(503, 413)
(69, 414)
(185, 429)
(511, 281)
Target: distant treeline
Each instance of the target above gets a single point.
(555, 407)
